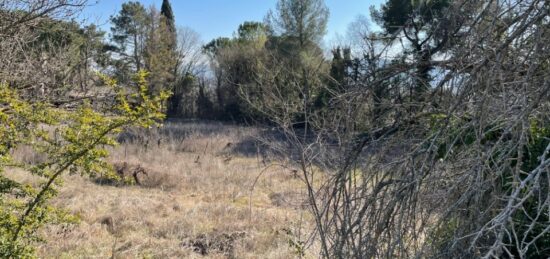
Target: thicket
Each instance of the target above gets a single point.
(434, 136)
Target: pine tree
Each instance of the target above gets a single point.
(128, 35)
(427, 28)
(304, 20)
(297, 28)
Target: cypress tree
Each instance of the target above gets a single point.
(167, 15)
(169, 42)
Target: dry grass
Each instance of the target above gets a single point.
(197, 201)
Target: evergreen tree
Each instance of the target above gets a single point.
(252, 32)
(235, 62)
(160, 58)
(340, 76)
(169, 47)
(297, 27)
(129, 34)
(204, 105)
(427, 27)
(167, 16)
(304, 20)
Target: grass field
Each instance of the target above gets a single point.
(207, 191)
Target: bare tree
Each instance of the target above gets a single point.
(191, 64)
(31, 59)
(31, 10)
(191, 57)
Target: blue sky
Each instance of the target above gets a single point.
(215, 18)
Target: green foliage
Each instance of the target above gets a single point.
(298, 247)
(427, 26)
(55, 33)
(393, 15)
(340, 74)
(259, 63)
(166, 11)
(63, 51)
(214, 47)
(305, 20)
(539, 138)
(442, 236)
(462, 135)
(176, 105)
(396, 14)
(129, 22)
(538, 141)
(128, 35)
(237, 62)
(72, 141)
(160, 54)
(255, 32)
(169, 21)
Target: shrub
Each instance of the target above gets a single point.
(77, 144)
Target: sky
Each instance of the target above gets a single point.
(216, 18)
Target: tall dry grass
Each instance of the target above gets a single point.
(210, 190)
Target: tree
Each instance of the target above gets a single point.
(296, 27)
(304, 20)
(51, 57)
(129, 33)
(204, 104)
(191, 64)
(236, 62)
(429, 27)
(160, 58)
(252, 32)
(169, 32)
(340, 77)
(93, 52)
(190, 52)
(22, 13)
(169, 19)
(168, 50)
